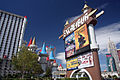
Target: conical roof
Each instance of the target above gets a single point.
(43, 49)
(30, 42)
(67, 22)
(54, 61)
(60, 67)
(55, 64)
(85, 7)
(51, 57)
(40, 50)
(33, 42)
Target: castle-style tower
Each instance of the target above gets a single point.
(32, 45)
(52, 57)
(54, 69)
(43, 56)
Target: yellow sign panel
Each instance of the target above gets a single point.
(72, 63)
(81, 37)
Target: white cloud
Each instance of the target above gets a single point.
(61, 57)
(102, 6)
(103, 34)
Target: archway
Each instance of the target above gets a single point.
(80, 73)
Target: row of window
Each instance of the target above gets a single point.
(10, 32)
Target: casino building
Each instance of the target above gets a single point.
(12, 29)
(47, 59)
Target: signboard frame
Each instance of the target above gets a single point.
(82, 61)
(85, 48)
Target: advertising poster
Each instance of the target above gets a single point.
(110, 62)
(85, 60)
(70, 45)
(72, 64)
(81, 37)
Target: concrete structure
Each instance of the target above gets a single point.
(12, 28)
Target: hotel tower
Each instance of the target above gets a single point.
(12, 29)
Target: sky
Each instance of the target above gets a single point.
(46, 19)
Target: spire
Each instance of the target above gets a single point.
(54, 61)
(33, 42)
(109, 39)
(60, 65)
(51, 57)
(25, 17)
(40, 50)
(30, 42)
(85, 7)
(43, 52)
(67, 22)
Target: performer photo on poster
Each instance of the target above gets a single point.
(81, 37)
(70, 45)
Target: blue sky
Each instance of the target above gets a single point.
(46, 19)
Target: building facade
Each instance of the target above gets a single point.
(113, 51)
(12, 29)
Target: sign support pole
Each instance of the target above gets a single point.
(95, 70)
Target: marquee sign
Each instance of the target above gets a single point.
(72, 64)
(81, 61)
(81, 37)
(70, 45)
(80, 43)
(85, 60)
(77, 42)
(83, 19)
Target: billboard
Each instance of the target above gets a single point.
(70, 45)
(72, 64)
(81, 61)
(110, 63)
(77, 42)
(85, 60)
(81, 37)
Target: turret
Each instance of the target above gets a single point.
(30, 42)
(51, 57)
(32, 46)
(55, 64)
(67, 22)
(60, 67)
(43, 52)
